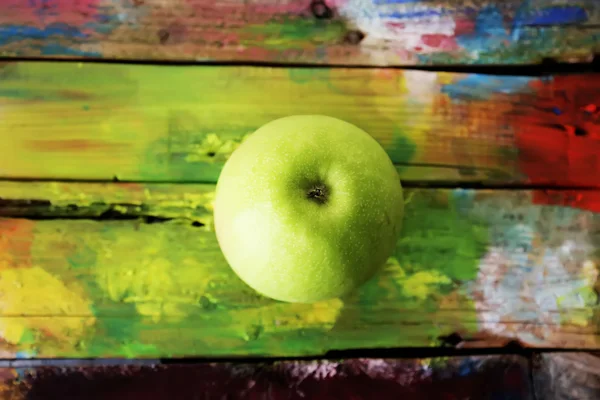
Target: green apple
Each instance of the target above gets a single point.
(308, 208)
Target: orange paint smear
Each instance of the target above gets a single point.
(466, 130)
(16, 239)
(74, 145)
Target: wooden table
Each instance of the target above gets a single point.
(116, 117)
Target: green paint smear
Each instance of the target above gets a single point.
(439, 251)
(437, 238)
(310, 75)
(293, 32)
(49, 82)
(190, 152)
(119, 337)
(175, 295)
(402, 150)
(28, 339)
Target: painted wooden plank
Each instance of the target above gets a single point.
(476, 377)
(371, 32)
(491, 266)
(567, 376)
(152, 123)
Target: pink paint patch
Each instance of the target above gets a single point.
(336, 3)
(438, 41)
(40, 13)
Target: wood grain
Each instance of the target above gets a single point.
(567, 376)
(348, 32)
(476, 377)
(136, 271)
(179, 124)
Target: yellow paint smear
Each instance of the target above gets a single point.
(420, 284)
(155, 285)
(31, 298)
(159, 288)
(278, 317)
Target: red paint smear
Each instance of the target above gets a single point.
(463, 26)
(395, 26)
(591, 108)
(558, 140)
(440, 41)
(222, 10)
(586, 200)
(16, 239)
(73, 145)
(39, 13)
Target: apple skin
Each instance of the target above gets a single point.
(308, 208)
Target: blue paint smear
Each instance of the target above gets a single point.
(463, 200)
(490, 21)
(13, 33)
(489, 33)
(518, 19)
(482, 87)
(54, 49)
(415, 14)
(434, 11)
(558, 15)
(24, 354)
(467, 367)
(104, 24)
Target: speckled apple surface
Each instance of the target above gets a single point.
(308, 208)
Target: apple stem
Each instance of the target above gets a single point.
(318, 193)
